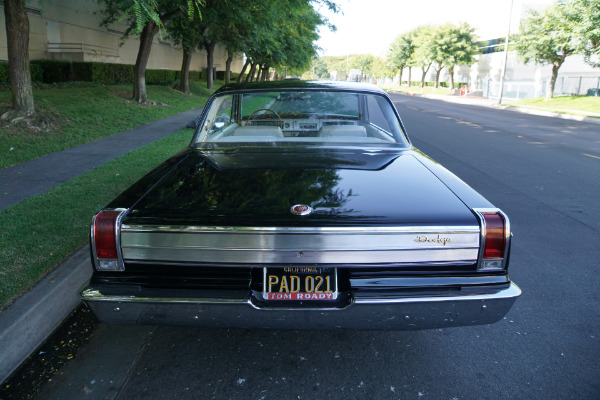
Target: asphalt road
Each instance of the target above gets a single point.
(544, 172)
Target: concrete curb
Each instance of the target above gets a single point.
(488, 103)
(26, 323)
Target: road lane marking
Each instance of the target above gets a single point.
(589, 155)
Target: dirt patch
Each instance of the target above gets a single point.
(125, 94)
(60, 348)
(42, 122)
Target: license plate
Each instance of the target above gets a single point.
(300, 283)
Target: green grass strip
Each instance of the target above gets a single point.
(39, 233)
(588, 106)
(80, 115)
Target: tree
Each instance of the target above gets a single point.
(380, 68)
(424, 54)
(363, 62)
(438, 55)
(584, 17)
(145, 17)
(320, 68)
(401, 53)
(281, 34)
(457, 45)
(187, 33)
(17, 40)
(546, 38)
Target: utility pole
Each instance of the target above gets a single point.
(505, 53)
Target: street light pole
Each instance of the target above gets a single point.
(505, 53)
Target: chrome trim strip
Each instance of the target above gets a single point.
(91, 294)
(355, 265)
(512, 291)
(275, 242)
(296, 230)
(287, 245)
(271, 256)
(428, 282)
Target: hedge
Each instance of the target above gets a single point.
(53, 71)
(35, 70)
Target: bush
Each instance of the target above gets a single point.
(52, 71)
(37, 73)
(161, 76)
(111, 74)
(4, 74)
(35, 70)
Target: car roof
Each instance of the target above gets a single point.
(299, 85)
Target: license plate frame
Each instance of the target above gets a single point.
(301, 284)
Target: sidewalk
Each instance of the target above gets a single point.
(26, 323)
(36, 176)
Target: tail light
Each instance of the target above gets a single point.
(105, 238)
(495, 238)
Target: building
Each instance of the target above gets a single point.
(70, 31)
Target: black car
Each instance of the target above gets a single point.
(300, 205)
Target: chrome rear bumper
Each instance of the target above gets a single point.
(389, 313)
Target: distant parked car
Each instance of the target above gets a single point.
(300, 205)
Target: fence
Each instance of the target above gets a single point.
(576, 85)
(564, 86)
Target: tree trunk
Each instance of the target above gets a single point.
(265, 73)
(139, 72)
(550, 93)
(17, 37)
(438, 71)
(228, 67)
(451, 72)
(425, 70)
(239, 80)
(555, 67)
(251, 73)
(400, 79)
(210, 62)
(409, 75)
(184, 76)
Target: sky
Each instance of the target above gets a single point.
(370, 26)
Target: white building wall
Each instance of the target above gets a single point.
(70, 30)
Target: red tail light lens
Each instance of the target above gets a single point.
(105, 236)
(495, 239)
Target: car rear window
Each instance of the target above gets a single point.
(309, 116)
